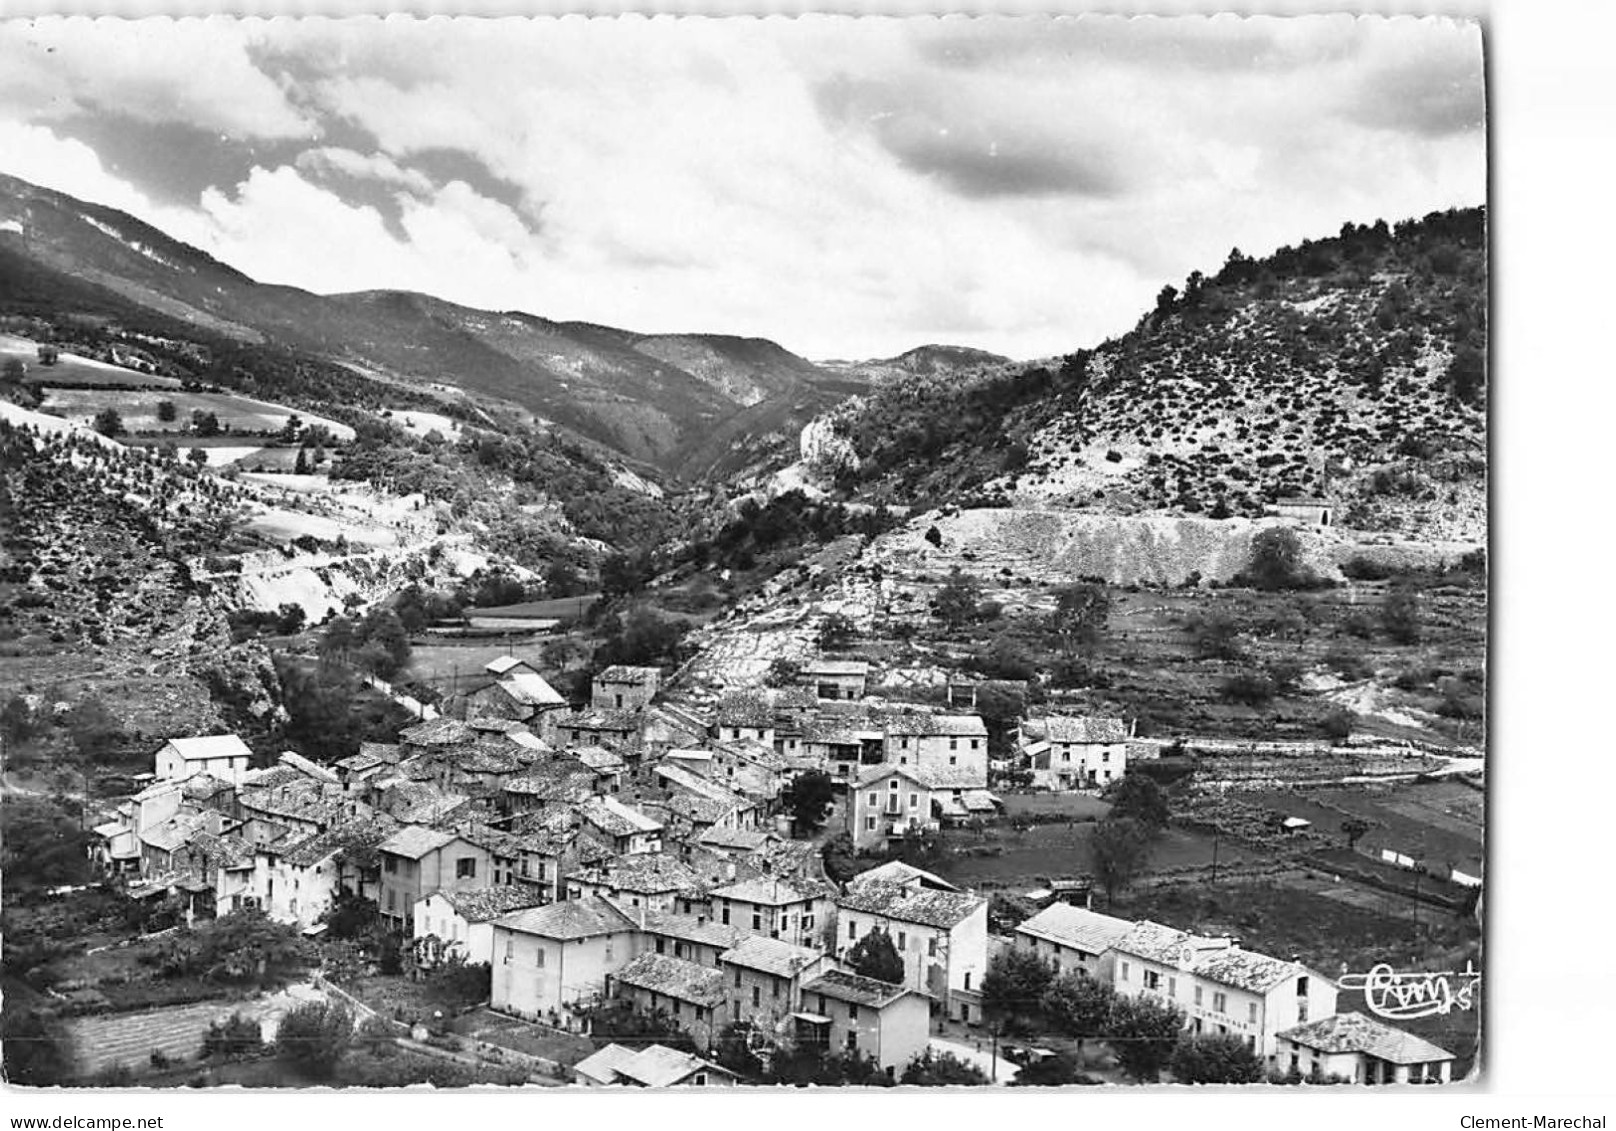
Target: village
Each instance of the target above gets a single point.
(667, 889)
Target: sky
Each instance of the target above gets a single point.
(850, 188)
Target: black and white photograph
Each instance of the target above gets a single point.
(745, 553)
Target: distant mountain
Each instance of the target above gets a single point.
(922, 361)
(679, 402)
(1352, 367)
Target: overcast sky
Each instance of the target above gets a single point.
(847, 187)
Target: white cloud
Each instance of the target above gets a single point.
(845, 187)
(154, 70)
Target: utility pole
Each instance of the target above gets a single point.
(1215, 834)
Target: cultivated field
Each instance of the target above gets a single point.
(139, 410)
(71, 369)
(1438, 822)
(1024, 858)
(439, 664)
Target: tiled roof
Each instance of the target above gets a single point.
(691, 928)
(387, 751)
(613, 818)
(675, 978)
(745, 709)
(555, 781)
(228, 852)
(836, 668)
(1245, 969)
(531, 690)
(599, 759)
(437, 732)
(769, 892)
(1076, 927)
(647, 873)
(897, 872)
(693, 783)
(744, 839)
(605, 721)
(925, 906)
(772, 956)
(855, 988)
(868, 774)
(569, 919)
(358, 840)
(956, 777)
(1156, 943)
(623, 673)
(414, 841)
(210, 746)
(483, 904)
(1080, 728)
(1355, 1033)
(602, 1064)
(504, 664)
(658, 1066)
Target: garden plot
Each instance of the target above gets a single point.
(71, 369)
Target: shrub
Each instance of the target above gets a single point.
(1249, 688)
(232, 1039)
(314, 1037)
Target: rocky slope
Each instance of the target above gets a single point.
(1352, 367)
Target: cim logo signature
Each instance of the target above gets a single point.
(1402, 997)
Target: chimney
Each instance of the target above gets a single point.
(729, 870)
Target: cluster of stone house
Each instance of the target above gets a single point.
(1284, 1011)
(636, 850)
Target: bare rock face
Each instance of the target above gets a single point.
(824, 452)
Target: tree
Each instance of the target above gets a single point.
(205, 423)
(1218, 1058)
(95, 730)
(933, 1070)
(108, 422)
(198, 457)
(1354, 828)
(17, 720)
(301, 467)
(1080, 616)
(247, 946)
(782, 673)
(167, 412)
(959, 599)
(48, 354)
(1118, 850)
(1079, 1006)
(836, 632)
(313, 1037)
(1276, 561)
(1400, 614)
(1144, 1031)
(14, 370)
(290, 428)
(809, 800)
(876, 956)
(1138, 796)
(1467, 374)
(350, 915)
(42, 845)
(1013, 988)
(1216, 636)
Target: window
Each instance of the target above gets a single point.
(852, 1040)
(893, 784)
(735, 732)
(1066, 756)
(1220, 1002)
(1301, 986)
(953, 761)
(676, 1007)
(875, 798)
(1197, 995)
(392, 899)
(869, 824)
(1301, 1010)
(1251, 1011)
(914, 801)
(976, 743)
(967, 979)
(953, 744)
(931, 947)
(903, 941)
(737, 977)
(701, 1013)
(1152, 980)
(757, 996)
(510, 947)
(466, 868)
(608, 947)
(821, 1005)
(852, 1013)
(389, 863)
(1172, 986)
(541, 958)
(662, 946)
(757, 920)
(678, 950)
(775, 987)
(852, 933)
(1125, 974)
(724, 914)
(1106, 757)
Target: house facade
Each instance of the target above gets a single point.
(944, 747)
(763, 981)
(1073, 939)
(223, 756)
(835, 679)
(1075, 752)
(888, 802)
(548, 960)
(417, 861)
(624, 688)
(1354, 1047)
(846, 1013)
(788, 910)
(942, 937)
(689, 995)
